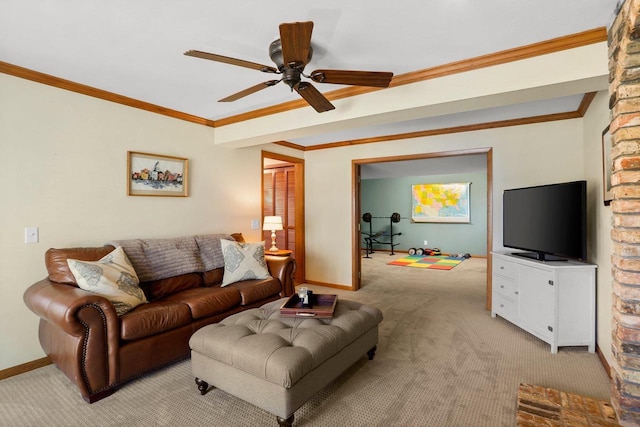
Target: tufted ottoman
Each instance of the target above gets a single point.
(279, 363)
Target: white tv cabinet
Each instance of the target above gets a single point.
(553, 300)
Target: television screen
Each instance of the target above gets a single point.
(549, 220)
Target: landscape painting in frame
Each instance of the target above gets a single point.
(440, 202)
(156, 175)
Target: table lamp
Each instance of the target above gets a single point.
(272, 223)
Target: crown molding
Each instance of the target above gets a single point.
(580, 112)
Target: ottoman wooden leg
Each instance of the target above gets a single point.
(372, 352)
(285, 423)
(203, 386)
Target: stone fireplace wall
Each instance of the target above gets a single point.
(624, 91)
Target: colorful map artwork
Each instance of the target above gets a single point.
(440, 202)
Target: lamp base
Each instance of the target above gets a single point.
(273, 247)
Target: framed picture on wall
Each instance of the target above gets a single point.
(607, 166)
(156, 175)
(440, 203)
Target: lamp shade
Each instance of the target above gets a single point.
(272, 223)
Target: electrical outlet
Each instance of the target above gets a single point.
(426, 244)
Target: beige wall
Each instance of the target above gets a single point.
(63, 169)
(599, 217)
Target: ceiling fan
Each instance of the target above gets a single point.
(291, 53)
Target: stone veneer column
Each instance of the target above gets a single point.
(624, 90)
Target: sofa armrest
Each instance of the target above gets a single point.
(283, 269)
(80, 333)
(58, 304)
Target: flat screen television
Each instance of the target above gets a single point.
(548, 221)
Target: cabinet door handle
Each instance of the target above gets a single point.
(501, 305)
(516, 292)
(502, 286)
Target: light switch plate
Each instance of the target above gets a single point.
(31, 235)
(255, 224)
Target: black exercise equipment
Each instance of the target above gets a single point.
(370, 238)
(395, 217)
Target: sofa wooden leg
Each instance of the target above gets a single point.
(203, 386)
(285, 423)
(371, 353)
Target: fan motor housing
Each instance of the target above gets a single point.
(275, 53)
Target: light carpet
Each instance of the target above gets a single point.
(441, 361)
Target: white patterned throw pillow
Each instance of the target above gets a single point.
(243, 261)
(113, 277)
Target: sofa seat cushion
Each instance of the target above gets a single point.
(204, 302)
(255, 290)
(153, 318)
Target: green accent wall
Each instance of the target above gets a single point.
(384, 196)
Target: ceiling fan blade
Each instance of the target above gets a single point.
(296, 42)
(356, 78)
(314, 97)
(249, 91)
(232, 61)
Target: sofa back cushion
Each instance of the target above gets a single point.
(213, 277)
(210, 250)
(155, 289)
(155, 259)
(56, 261)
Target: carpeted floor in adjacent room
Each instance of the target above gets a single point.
(441, 361)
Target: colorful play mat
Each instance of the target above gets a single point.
(438, 262)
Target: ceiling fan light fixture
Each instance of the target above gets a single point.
(291, 76)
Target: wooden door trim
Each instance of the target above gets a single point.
(355, 206)
(298, 165)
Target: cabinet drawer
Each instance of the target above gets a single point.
(505, 268)
(505, 287)
(504, 307)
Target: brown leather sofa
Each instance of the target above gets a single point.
(99, 351)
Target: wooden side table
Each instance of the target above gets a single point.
(279, 252)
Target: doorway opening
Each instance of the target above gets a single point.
(283, 195)
(357, 248)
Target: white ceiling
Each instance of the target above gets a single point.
(135, 47)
